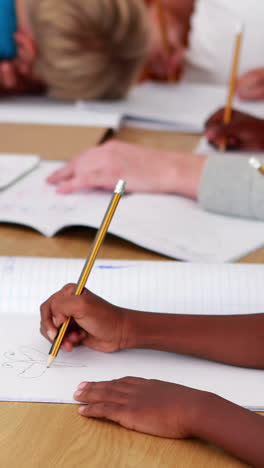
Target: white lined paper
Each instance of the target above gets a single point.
(172, 287)
(152, 286)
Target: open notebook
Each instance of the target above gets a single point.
(152, 286)
(45, 110)
(168, 224)
(182, 106)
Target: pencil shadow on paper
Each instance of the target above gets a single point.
(29, 363)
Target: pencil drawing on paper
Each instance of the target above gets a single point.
(31, 363)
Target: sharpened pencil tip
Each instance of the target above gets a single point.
(50, 361)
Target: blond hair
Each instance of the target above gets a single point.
(89, 49)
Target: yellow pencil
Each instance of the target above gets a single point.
(232, 82)
(164, 36)
(118, 192)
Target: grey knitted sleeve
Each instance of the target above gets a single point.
(229, 185)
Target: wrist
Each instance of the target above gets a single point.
(204, 409)
(134, 330)
(219, 422)
(187, 174)
(148, 330)
(195, 409)
(195, 174)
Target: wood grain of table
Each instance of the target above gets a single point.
(36, 435)
(54, 436)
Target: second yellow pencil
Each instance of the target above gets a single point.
(232, 81)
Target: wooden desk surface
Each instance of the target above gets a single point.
(45, 435)
(48, 141)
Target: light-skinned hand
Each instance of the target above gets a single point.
(250, 86)
(144, 169)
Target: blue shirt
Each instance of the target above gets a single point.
(8, 26)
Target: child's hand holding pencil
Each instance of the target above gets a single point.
(95, 323)
(244, 132)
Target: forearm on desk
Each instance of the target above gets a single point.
(234, 429)
(235, 339)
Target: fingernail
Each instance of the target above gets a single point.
(51, 334)
(82, 385)
(82, 409)
(77, 394)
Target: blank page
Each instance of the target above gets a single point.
(45, 110)
(178, 227)
(188, 104)
(34, 203)
(14, 166)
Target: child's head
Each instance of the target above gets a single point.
(88, 49)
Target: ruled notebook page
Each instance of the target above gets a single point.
(25, 282)
(151, 286)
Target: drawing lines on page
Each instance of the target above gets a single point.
(30, 363)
